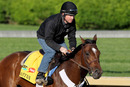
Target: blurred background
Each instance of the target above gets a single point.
(92, 14)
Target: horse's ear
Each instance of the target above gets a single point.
(95, 37)
(83, 41)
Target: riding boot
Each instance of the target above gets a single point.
(40, 79)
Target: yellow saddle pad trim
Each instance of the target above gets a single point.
(29, 69)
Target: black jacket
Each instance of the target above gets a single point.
(53, 31)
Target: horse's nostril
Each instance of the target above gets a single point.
(97, 71)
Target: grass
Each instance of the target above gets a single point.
(115, 52)
(28, 27)
(115, 56)
(17, 27)
(114, 59)
(10, 45)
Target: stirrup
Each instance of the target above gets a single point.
(40, 79)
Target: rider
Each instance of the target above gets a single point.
(51, 36)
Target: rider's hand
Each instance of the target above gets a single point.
(63, 50)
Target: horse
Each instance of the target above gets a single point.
(84, 59)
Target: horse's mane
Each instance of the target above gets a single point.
(87, 41)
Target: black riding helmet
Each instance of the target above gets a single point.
(69, 8)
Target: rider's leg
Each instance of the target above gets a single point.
(49, 53)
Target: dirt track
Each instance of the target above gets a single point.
(110, 82)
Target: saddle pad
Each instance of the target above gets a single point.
(30, 67)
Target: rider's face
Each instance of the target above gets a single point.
(69, 18)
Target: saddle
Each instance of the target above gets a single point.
(32, 61)
(56, 60)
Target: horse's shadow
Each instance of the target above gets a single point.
(117, 72)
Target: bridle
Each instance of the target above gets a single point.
(88, 68)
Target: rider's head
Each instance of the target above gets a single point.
(68, 10)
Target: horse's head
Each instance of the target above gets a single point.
(90, 57)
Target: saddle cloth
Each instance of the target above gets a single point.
(30, 67)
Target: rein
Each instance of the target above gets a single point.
(79, 64)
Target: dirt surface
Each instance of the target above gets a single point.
(109, 82)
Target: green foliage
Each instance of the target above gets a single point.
(104, 14)
(3, 11)
(92, 14)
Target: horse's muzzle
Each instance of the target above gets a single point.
(97, 74)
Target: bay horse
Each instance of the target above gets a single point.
(85, 59)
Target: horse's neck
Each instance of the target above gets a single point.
(72, 70)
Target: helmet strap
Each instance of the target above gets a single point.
(64, 18)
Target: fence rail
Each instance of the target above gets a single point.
(100, 34)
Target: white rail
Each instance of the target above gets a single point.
(89, 34)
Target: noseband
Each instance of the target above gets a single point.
(88, 68)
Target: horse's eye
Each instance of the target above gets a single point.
(87, 53)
